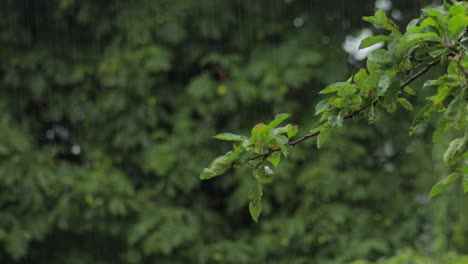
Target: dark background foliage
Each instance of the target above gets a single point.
(108, 109)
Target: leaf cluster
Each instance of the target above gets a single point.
(436, 37)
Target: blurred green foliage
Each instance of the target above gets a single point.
(409, 256)
(107, 112)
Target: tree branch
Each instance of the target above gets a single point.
(316, 133)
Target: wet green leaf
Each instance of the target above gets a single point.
(455, 148)
(457, 24)
(274, 159)
(370, 41)
(443, 185)
(334, 87)
(322, 106)
(380, 19)
(409, 90)
(278, 119)
(230, 137)
(325, 131)
(405, 103)
(255, 204)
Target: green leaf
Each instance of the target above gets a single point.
(437, 53)
(255, 208)
(455, 148)
(443, 185)
(409, 91)
(315, 130)
(260, 132)
(216, 168)
(421, 119)
(333, 87)
(464, 61)
(360, 77)
(325, 131)
(322, 106)
(370, 41)
(283, 144)
(255, 204)
(278, 119)
(274, 159)
(325, 115)
(405, 103)
(457, 9)
(439, 15)
(384, 82)
(452, 69)
(292, 130)
(372, 81)
(263, 175)
(370, 114)
(256, 191)
(222, 163)
(437, 82)
(381, 20)
(454, 108)
(429, 24)
(336, 120)
(412, 40)
(289, 130)
(347, 90)
(442, 93)
(378, 60)
(391, 96)
(230, 137)
(457, 24)
(412, 24)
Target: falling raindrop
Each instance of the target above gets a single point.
(383, 4)
(298, 22)
(76, 150)
(50, 134)
(396, 14)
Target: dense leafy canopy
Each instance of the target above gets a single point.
(108, 108)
